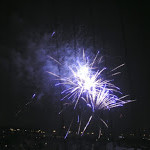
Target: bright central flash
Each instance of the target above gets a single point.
(85, 79)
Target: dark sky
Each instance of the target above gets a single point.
(120, 30)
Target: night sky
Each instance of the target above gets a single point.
(30, 32)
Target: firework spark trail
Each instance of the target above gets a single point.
(31, 100)
(104, 122)
(54, 60)
(117, 67)
(69, 129)
(86, 83)
(78, 119)
(52, 34)
(86, 125)
(99, 135)
(79, 127)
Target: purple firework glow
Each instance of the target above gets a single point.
(86, 83)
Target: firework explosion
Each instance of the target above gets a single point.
(86, 83)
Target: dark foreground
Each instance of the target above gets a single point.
(17, 139)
